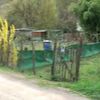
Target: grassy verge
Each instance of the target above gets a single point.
(89, 83)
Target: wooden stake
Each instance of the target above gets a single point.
(78, 59)
(54, 61)
(33, 60)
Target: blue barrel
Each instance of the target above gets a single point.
(47, 45)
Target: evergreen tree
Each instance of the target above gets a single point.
(88, 13)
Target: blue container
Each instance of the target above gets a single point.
(47, 45)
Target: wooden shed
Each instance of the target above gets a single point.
(40, 34)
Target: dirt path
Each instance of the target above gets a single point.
(15, 88)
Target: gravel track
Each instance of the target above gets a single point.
(15, 87)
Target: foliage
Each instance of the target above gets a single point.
(7, 49)
(88, 12)
(33, 13)
(43, 14)
(66, 19)
(4, 5)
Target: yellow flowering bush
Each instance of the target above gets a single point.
(8, 51)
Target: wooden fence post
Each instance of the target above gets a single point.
(78, 59)
(54, 60)
(33, 56)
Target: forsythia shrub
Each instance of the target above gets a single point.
(8, 52)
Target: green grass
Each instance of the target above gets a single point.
(89, 83)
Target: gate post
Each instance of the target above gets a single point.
(54, 60)
(78, 59)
